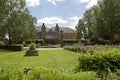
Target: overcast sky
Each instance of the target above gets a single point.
(64, 12)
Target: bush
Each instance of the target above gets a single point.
(32, 46)
(80, 49)
(109, 60)
(44, 74)
(39, 41)
(49, 74)
(71, 42)
(12, 47)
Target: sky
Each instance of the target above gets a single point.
(64, 12)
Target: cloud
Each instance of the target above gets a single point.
(52, 20)
(74, 20)
(54, 1)
(33, 3)
(84, 1)
(68, 22)
(90, 3)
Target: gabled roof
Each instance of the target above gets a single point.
(67, 30)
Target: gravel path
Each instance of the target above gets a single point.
(49, 48)
(26, 48)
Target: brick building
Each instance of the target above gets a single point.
(55, 34)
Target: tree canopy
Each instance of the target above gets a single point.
(101, 22)
(16, 21)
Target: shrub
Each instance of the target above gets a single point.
(100, 61)
(49, 74)
(12, 47)
(44, 74)
(70, 41)
(80, 49)
(10, 74)
(39, 41)
(32, 46)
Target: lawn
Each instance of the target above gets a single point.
(49, 65)
(55, 59)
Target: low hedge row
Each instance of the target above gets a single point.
(44, 74)
(80, 49)
(91, 49)
(100, 62)
(12, 47)
(37, 41)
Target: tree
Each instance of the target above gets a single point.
(19, 24)
(3, 16)
(85, 25)
(81, 30)
(108, 19)
(102, 21)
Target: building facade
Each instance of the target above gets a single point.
(55, 34)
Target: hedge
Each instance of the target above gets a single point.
(37, 41)
(13, 47)
(103, 61)
(70, 41)
(44, 74)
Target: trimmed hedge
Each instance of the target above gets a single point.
(103, 61)
(37, 41)
(70, 42)
(13, 47)
(80, 49)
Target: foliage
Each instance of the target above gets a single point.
(101, 22)
(112, 75)
(80, 49)
(103, 61)
(32, 46)
(39, 41)
(100, 62)
(16, 21)
(108, 20)
(70, 41)
(12, 47)
(44, 74)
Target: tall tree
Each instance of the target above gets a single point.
(3, 16)
(81, 30)
(85, 25)
(108, 19)
(19, 24)
(102, 21)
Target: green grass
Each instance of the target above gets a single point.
(49, 65)
(56, 59)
